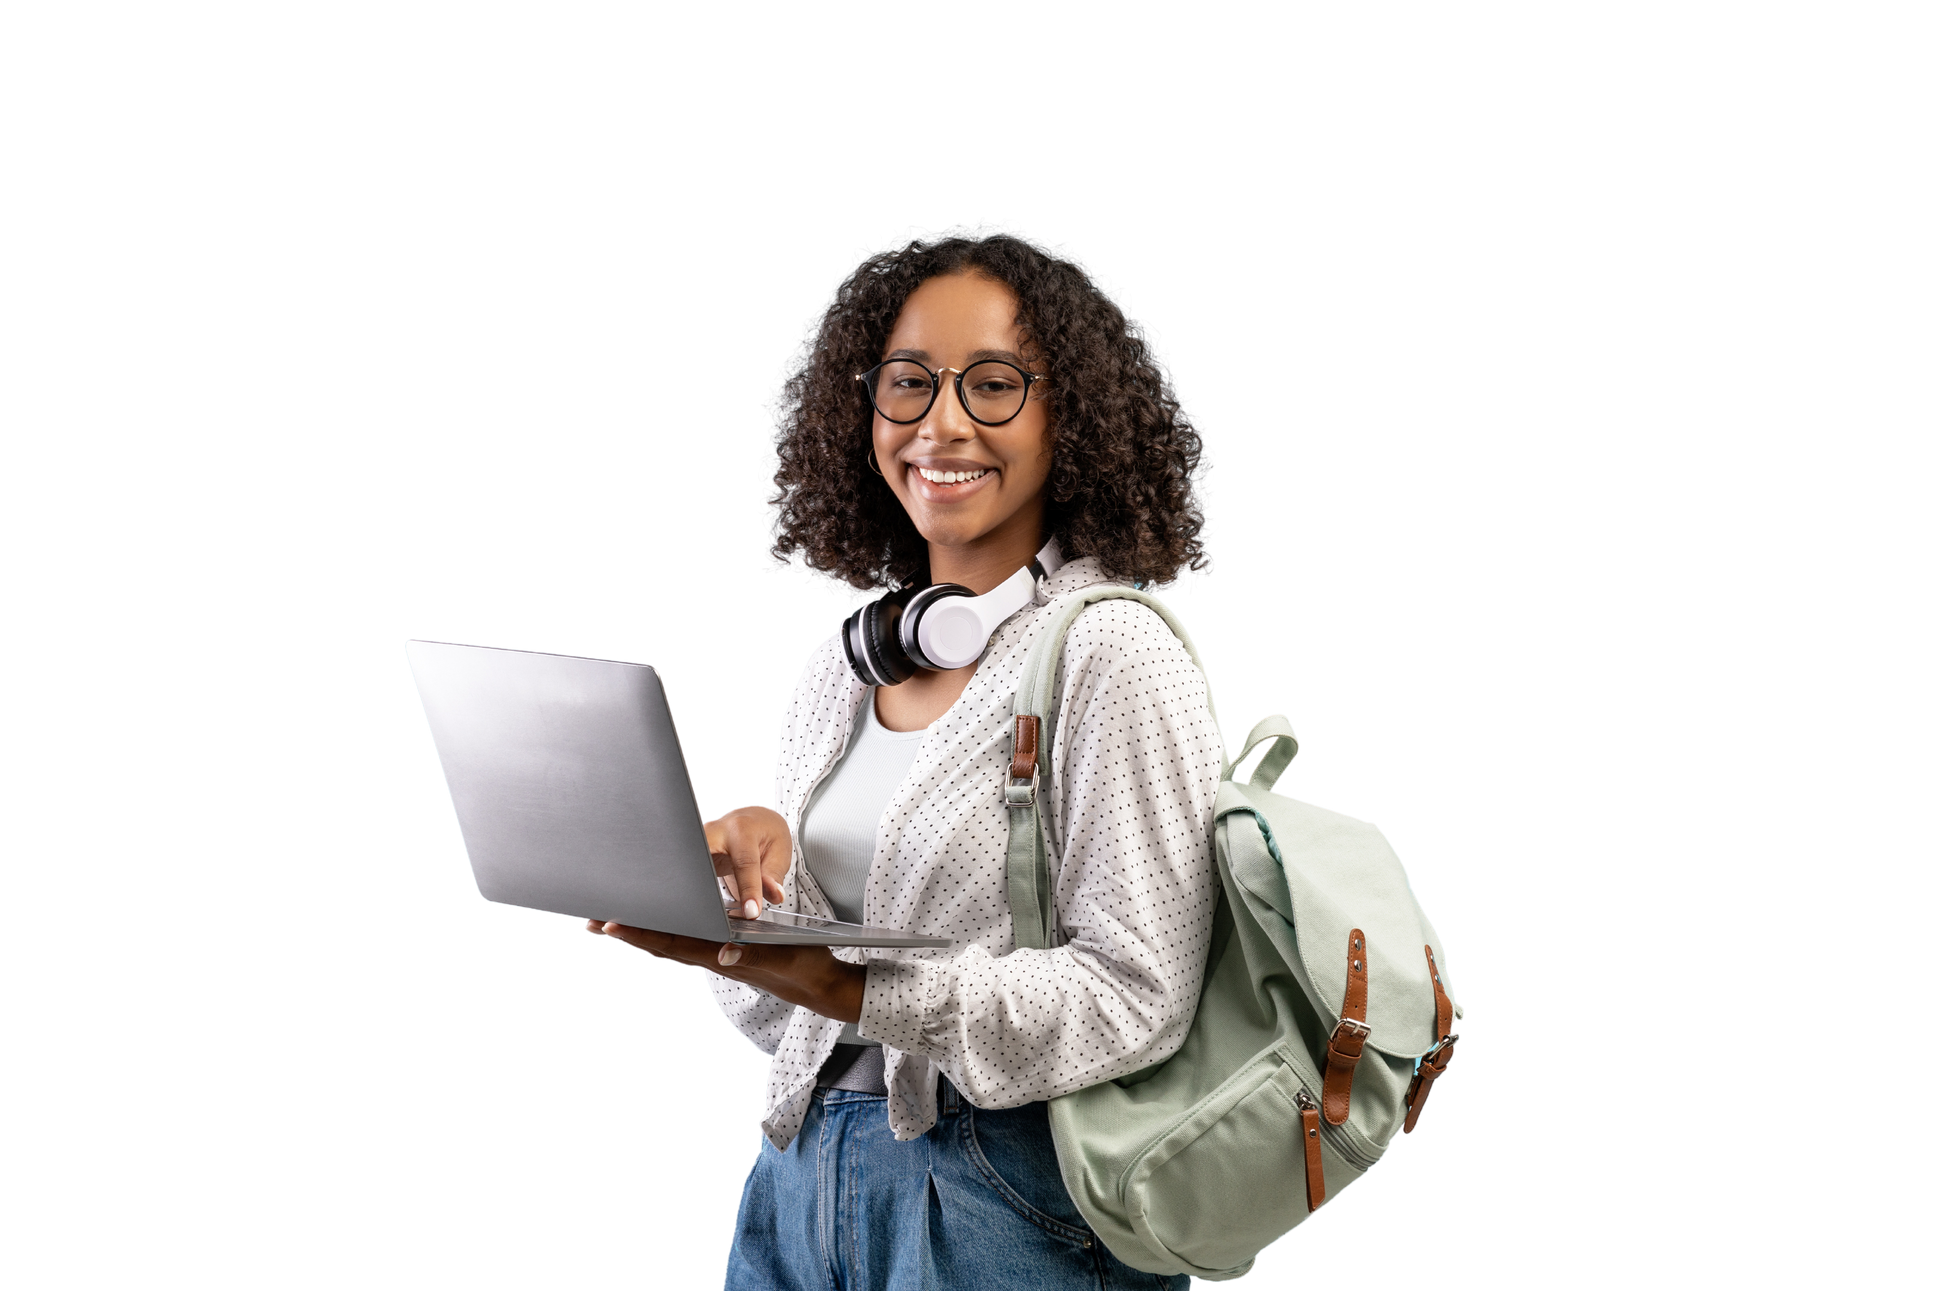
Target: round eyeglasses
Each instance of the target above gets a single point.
(991, 391)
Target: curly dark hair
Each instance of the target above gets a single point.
(1119, 486)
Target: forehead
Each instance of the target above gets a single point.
(957, 313)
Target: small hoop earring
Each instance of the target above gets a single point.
(871, 462)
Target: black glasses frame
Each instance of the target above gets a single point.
(961, 395)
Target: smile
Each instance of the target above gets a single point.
(950, 477)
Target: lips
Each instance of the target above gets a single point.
(951, 477)
(948, 481)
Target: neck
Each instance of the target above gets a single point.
(982, 565)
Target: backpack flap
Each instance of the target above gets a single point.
(1331, 878)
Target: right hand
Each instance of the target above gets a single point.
(752, 850)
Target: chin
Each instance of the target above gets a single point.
(954, 533)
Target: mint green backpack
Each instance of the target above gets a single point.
(1325, 1017)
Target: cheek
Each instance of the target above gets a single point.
(1031, 454)
(888, 440)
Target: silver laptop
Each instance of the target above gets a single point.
(573, 797)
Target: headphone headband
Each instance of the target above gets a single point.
(938, 627)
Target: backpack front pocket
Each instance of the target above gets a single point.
(1211, 1215)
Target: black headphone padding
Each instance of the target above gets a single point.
(873, 645)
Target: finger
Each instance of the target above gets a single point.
(739, 960)
(595, 925)
(748, 881)
(775, 891)
(666, 945)
(696, 951)
(643, 938)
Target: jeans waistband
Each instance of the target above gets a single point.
(861, 1068)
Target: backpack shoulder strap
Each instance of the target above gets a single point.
(1031, 886)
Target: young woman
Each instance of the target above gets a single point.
(968, 407)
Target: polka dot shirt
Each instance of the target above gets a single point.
(1133, 779)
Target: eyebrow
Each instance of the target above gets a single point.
(974, 356)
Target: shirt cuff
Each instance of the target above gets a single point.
(894, 1004)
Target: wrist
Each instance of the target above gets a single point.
(845, 990)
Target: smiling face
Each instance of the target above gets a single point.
(975, 492)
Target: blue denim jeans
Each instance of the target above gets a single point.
(975, 1202)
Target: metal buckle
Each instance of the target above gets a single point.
(1022, 794)
(1432, 1053)
(1353, 1027)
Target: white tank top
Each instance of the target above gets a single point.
(837, 830)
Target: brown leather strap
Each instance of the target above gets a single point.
(1356, 981)
(1441, 1001)
(1313, 1158)
(1026, 731)
(1349, 1036)
(1431, 1067)
(1433, 1064)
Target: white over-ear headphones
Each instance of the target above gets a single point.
(940, 626)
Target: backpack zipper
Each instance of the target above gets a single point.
(1310, 1132)
(1341, 1137)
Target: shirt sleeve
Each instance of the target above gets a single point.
(1135, 767)
(760, 1017)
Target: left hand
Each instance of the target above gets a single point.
(808, 976)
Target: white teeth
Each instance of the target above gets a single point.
(950, 477)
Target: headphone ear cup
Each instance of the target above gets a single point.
(870, 644)
(856, 651)
(890, 663)
(909, 633)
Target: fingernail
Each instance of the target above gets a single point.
(729, 955)
(752, 908)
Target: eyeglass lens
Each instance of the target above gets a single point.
(903, 391)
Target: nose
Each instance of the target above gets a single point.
(947, 421)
